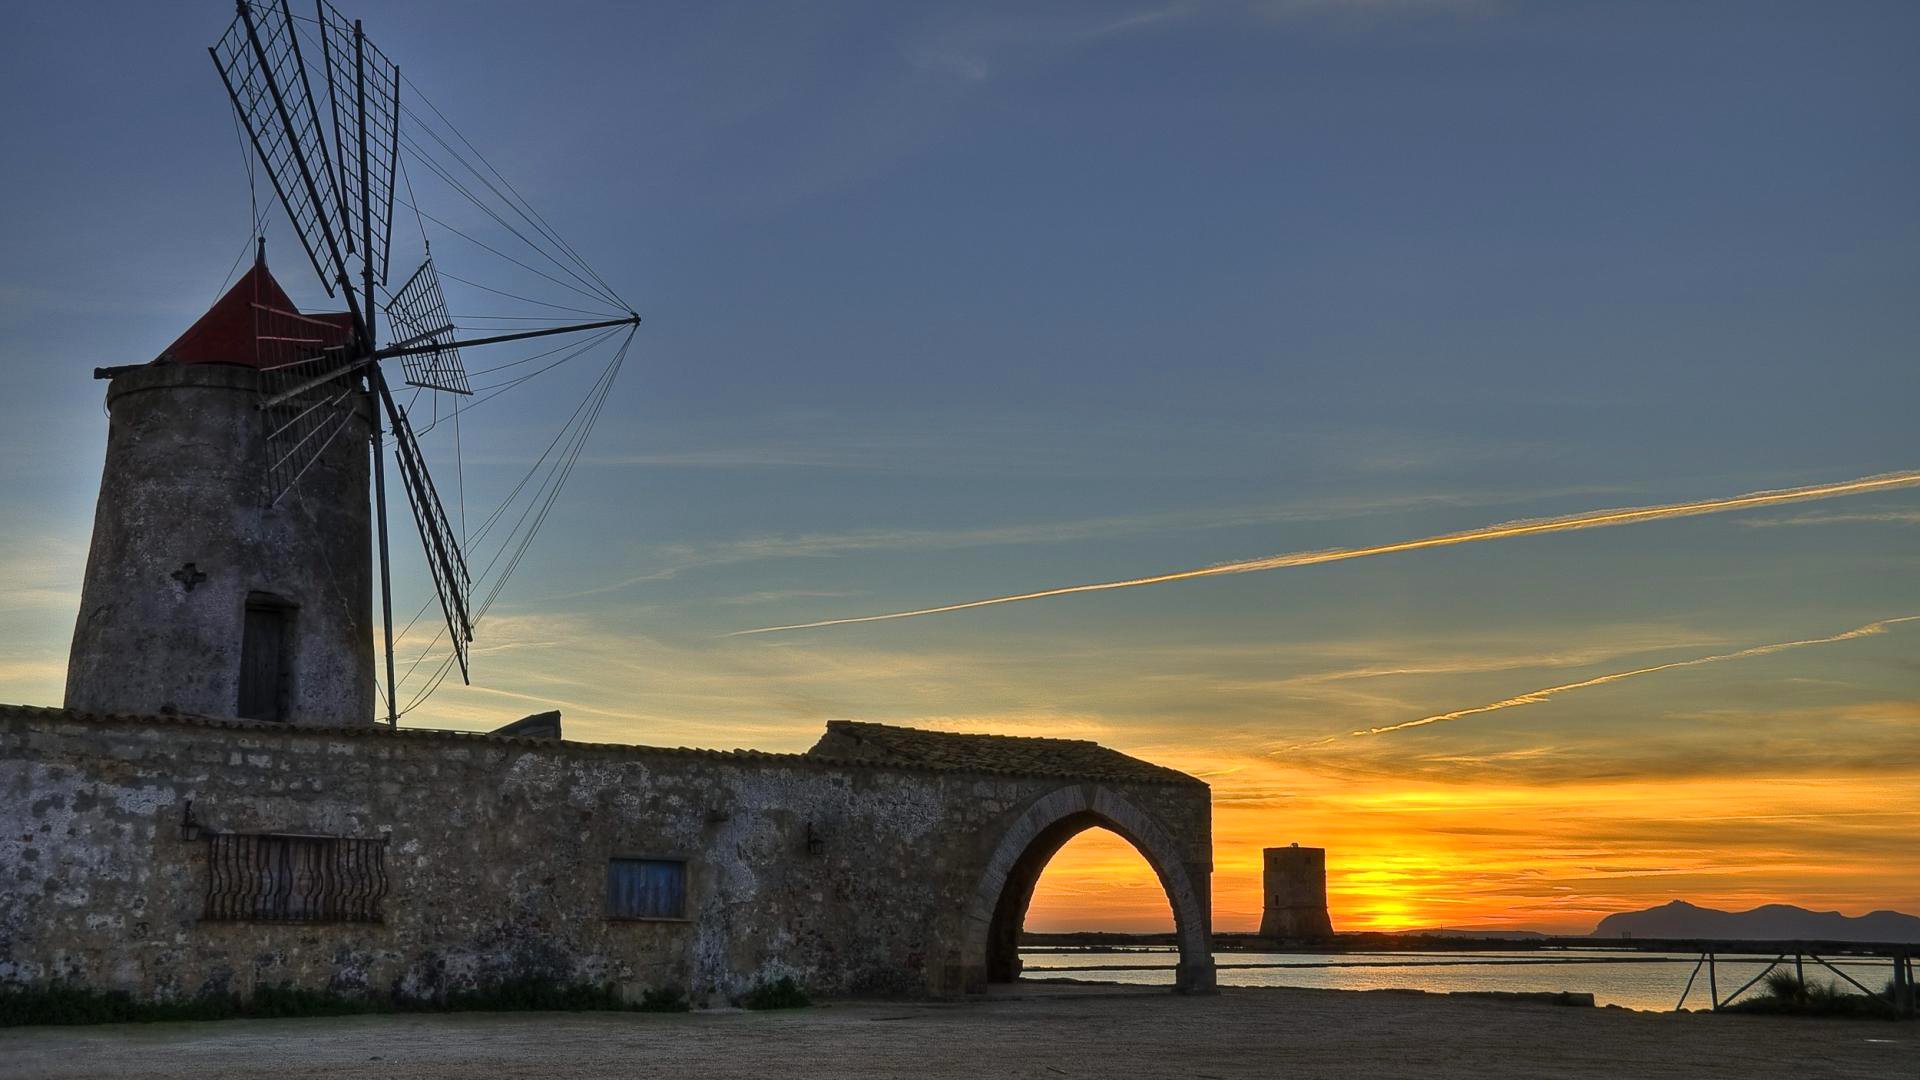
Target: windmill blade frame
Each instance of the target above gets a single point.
(417, 315)
(308, 392)
(445, 561)
(362, 127)
(260, 62)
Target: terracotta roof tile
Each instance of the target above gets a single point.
(256, 325)
(883, 743)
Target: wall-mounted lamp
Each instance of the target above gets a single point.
(815, 842)
(189, 825)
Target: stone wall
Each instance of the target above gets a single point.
(497, 854)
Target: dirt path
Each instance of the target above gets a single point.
(1042, 1035)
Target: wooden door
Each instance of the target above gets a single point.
(263, 658)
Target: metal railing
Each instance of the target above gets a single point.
(281, 877)
(1898, 999)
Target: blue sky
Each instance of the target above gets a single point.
(948, 301)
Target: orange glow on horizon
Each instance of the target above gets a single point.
(1099, 882)
(1555, 858)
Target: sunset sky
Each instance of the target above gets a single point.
(946, 303)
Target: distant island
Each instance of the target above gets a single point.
(1679, 919)
(1675, 920)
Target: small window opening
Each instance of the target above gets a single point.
(647, 889)
(266, 658)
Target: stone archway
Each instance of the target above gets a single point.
(999, 902)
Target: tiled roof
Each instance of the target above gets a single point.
(883, 743)
(256, 325)
(1081, 759)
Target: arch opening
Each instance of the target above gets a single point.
(1004, 891)
(1099, 883)
(1023, 879)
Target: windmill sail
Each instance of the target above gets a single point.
(259, 59)
(363, 93)
(444, 560)
(418, 315)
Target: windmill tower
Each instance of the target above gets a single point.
(234, 542)
(202, 595)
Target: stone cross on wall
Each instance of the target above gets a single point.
(188, 576)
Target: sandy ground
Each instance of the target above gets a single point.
(1039, 1033)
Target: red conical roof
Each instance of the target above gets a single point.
(256, 325)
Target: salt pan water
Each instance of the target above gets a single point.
(1634, 980)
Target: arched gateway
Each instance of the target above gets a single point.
(1030, 797)
(999, 903)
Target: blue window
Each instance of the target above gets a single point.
(647, 889)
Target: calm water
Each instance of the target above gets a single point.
(1634, 980)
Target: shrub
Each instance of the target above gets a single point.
(782, 993)
(1785, 987)
(60, 1004)
(288, 1001)
(533, 994)
(1786, 993)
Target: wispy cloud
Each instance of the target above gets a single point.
(1369, 9)
(1145, 18)
(976, 49)
(779, 596)
(1827, 742)
(40, 573)
(677, 559)
(1883, 517)
(1484, 662)
(747, 457)
(1596, 519)
(1535, 697)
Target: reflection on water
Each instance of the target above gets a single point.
(1650, 981)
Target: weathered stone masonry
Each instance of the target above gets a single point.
(884, 861)
(184, 537)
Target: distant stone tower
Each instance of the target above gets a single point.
(199, 597)
(1296, 894)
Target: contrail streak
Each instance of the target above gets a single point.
(1592, 519)
(1535, 697)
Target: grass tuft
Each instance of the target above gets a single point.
(1784, 993)
(782, 993)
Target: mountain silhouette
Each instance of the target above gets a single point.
(1679, 919)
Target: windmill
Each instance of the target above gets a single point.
(336, 181)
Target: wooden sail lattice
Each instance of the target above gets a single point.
(260, 61)
(418, 315)
(444, 560)
(363, 93)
